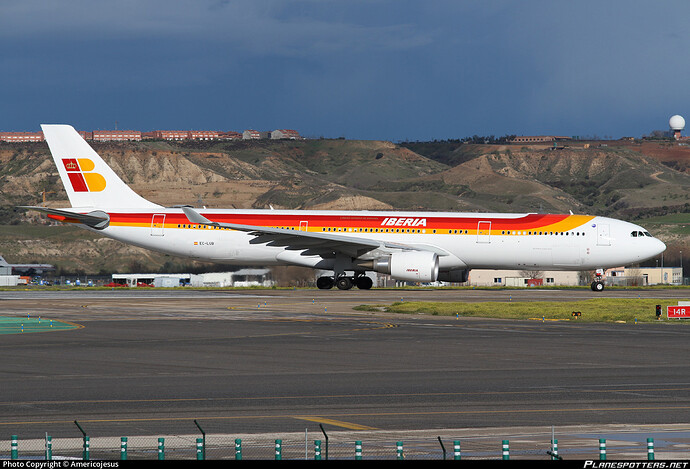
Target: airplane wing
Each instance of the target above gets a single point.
(317, 244)
(95, 219)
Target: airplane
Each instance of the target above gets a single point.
(24, 268)
(408, 246)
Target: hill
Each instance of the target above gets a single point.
(633, 181)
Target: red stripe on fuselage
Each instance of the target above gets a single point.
(348, 221)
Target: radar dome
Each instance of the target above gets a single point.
(676, 122)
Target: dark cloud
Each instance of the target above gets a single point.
(361, 69)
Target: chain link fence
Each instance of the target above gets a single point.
(309, 446)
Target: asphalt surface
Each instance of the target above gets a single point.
(151, 362)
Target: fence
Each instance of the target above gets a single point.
(321, 446)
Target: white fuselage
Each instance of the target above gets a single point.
(468, 240)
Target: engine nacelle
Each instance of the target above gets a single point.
(454, 276)
(413, 266)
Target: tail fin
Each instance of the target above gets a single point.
(3, 262)
(88, 180)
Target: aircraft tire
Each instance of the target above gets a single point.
(325, 283)
(597, 286)
(344, 283)
(363, 282)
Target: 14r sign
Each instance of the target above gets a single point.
(678, 312)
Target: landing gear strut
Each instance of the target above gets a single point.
(598, 283)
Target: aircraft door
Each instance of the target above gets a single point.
(603, 235)
(484, 232)
(303, 226)
(157, 224)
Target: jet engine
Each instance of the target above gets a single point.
(413, 266)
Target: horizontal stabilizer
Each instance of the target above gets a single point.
(96, 219)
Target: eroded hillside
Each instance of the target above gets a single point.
(620, 179)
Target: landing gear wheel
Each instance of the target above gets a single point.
(363, 282)
(344, 283)
(597, 286)
(325, 283)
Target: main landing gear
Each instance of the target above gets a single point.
(345, 283)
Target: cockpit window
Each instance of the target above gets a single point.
(640, 234)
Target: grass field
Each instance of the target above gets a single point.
(596, 310)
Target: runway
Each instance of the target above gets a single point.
(272, 361)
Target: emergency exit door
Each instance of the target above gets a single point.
(603, 235)
(157, 224)
(484, 232)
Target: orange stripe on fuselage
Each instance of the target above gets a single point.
(528, 222)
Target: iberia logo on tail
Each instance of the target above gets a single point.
(79, 171)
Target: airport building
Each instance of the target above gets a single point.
(9, 280)
(618, 276)
(517, 278)
(239, 278)
(641, 276)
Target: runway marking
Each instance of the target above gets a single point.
(374, 414)
(337, 423)
(342, 396)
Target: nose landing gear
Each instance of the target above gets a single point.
(598, 283)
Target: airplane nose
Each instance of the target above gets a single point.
(659, 247)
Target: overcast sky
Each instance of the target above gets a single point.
(378, 69)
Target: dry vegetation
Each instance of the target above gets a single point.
(621, 179)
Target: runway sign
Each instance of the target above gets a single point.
(678, 312)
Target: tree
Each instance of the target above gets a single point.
(532, 274)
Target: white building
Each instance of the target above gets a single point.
(639, 276)
(517, 278)
(153, 280)
(285, 134)
(240, 278)
(9, 280)
(251, 134)
(620, 276)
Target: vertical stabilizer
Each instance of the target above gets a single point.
(88, 180)
(3, 262)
